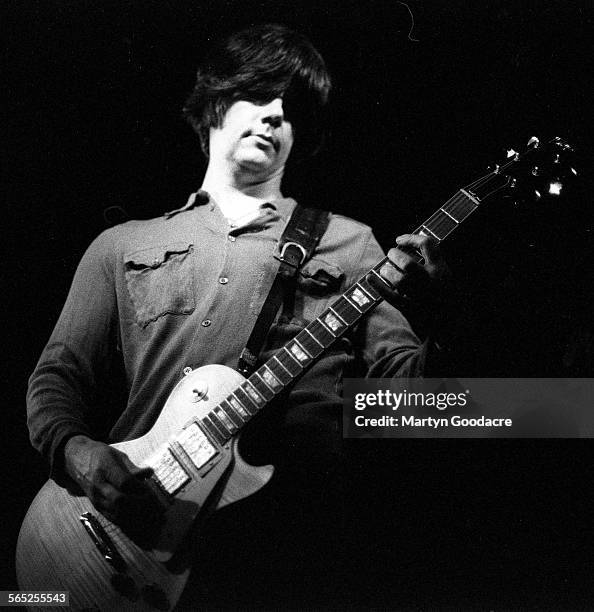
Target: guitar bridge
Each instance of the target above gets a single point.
(103, 541)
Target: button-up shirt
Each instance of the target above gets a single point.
(185, 290)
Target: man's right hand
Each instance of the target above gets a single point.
(114, 485)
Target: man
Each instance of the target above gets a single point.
(185, 291)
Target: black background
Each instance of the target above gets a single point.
(419, 110)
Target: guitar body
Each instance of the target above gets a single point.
(55, 551)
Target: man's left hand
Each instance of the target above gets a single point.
(418, 289)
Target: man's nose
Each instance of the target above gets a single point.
(273, 114)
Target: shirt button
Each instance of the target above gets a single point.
(232, 238)
(223, 280)
(206, 323)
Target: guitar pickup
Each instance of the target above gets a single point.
(168, 472)
(196, 445)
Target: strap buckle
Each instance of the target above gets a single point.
(301, 249)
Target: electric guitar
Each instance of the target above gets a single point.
(66, 544)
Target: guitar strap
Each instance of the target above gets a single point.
(297, 244)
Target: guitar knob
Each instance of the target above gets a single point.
(535, 171)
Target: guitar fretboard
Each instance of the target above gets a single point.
(447, 218)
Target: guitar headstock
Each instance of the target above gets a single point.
(540, 171)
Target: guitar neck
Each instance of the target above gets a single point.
(291, 361)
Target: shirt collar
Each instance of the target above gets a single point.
(198, 198)
(284, 206)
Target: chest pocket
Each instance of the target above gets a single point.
(318, 283)
(160, 281)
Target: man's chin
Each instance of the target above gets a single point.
(256, 164)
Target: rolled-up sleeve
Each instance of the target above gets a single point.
(63, 387)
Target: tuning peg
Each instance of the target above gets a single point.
(534, 142)
(561, 143)
(555, 188)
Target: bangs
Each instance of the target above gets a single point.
(259, 65)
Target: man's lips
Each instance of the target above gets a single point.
(264, 139)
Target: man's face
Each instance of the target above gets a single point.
(255, 139)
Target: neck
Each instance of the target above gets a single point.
(239, 193)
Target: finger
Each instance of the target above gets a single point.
(389, 293)
(399, 266)
(137, 494)
(128, 510)
(382, 285)
(416, 284)
(105, 498)
(126, 476)
(402, 260)
(427, 245)
(132, 468)
(387, 289)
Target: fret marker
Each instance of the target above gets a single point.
(332, 322)
(359, 297)
(238, 407)
(252, 393)
(223, 417)
(269, 378)
(298, 352)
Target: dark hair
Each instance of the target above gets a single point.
(260, 64)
